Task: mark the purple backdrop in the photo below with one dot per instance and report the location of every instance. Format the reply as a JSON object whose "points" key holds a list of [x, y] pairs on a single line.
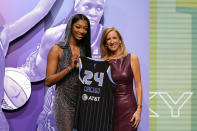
{"points": [[131, 18]]}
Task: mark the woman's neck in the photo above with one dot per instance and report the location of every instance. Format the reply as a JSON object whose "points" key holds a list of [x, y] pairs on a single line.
{"points": [[73, 41], [115, 55]]}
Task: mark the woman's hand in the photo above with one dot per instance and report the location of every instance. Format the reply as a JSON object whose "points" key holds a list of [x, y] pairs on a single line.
{"points": [[136, 118], [74, 61]]}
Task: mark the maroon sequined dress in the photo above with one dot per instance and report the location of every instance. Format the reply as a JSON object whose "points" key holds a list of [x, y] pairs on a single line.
{"points": [[125, 101]]}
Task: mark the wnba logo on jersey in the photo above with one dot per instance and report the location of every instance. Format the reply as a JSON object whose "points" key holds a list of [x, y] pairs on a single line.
{"points": [[85, 97]]}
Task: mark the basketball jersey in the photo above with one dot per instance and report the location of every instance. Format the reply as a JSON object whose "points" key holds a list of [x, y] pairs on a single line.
{"points": [[95, 108]]}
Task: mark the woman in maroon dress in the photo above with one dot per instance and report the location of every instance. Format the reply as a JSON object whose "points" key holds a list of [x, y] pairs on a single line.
{"points": [[124, 67]]}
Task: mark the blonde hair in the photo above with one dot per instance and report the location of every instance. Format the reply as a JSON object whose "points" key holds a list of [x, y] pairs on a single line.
{"points": [[105, 53]]}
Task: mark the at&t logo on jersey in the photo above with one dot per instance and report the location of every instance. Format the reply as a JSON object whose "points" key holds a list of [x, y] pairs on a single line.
{"points": [[85, 97]]}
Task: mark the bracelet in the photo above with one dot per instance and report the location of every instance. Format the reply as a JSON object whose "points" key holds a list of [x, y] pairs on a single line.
{"points": [[139, 105]]}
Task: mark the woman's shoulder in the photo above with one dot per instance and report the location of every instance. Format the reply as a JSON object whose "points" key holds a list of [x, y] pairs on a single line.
{"points": [[55, 48], [55, 51], [133, 57]]}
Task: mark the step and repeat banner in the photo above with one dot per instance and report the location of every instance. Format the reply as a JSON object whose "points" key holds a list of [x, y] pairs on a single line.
{"points": [[28, 29], [173, 65]]}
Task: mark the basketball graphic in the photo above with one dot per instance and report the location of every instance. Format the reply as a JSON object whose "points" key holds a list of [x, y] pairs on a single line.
{"points": [[17, 89]]}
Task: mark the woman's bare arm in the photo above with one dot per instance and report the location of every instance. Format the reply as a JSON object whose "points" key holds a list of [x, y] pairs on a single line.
{"points": [[138, 86], [52, 77]]}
